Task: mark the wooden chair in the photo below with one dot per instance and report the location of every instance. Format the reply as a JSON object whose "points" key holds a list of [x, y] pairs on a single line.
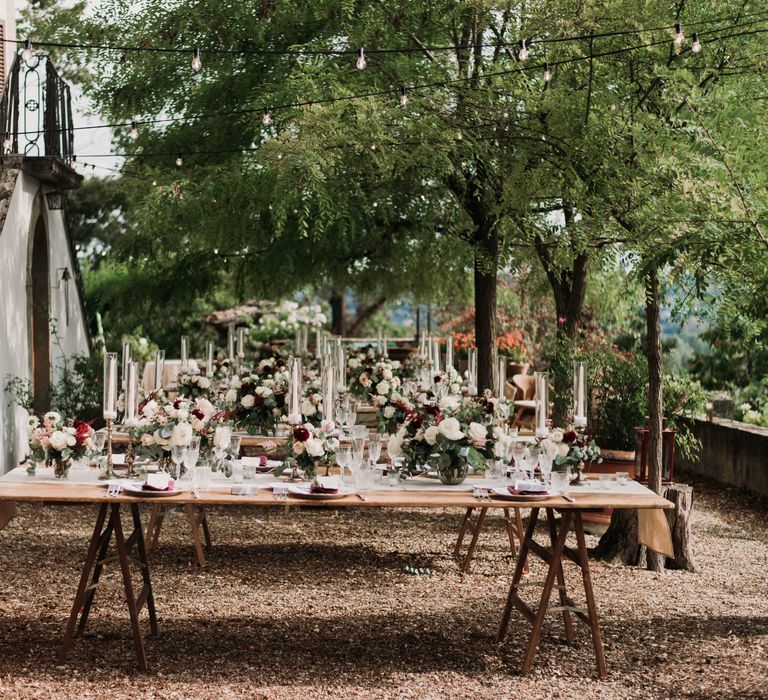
{"points": [[525, 406]]}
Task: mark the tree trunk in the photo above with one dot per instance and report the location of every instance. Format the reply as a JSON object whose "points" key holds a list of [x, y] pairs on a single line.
{"points": [[569, 289], [679, 521], [655, 397], [486, 278], [364, 314], [338, 312], [619, 541]]}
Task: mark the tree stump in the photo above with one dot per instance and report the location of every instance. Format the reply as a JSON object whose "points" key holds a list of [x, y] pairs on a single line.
{"points": [[679, 520], [619, 542]]}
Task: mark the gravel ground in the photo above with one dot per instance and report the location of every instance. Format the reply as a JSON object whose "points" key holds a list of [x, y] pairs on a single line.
{"points": [[319, 605]]}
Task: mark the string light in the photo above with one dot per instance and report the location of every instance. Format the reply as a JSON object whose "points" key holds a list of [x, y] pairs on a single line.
{"points": [[403, 97], [522, 54], [679, 36], [696, 46], [361, 63], [197, 64], [27, 53], [179, 160], [134, 132], [266, 119], [547, 73]]}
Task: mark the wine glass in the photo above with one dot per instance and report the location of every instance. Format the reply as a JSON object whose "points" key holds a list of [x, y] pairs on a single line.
{"points": [[374, 448], [356, 460], [177, 456], [348, 413], [99, 439], [343, 456], [545, 467]]}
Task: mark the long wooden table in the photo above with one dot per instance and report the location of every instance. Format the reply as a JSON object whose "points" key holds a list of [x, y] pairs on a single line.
{"points": [[131, 551]]}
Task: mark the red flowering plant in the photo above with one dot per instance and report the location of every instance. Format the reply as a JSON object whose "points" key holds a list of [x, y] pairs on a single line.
{"points": [[57, 441], [512, 345]]}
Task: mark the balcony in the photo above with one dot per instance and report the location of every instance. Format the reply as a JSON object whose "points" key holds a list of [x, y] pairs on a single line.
{"points": [[36, 122]]}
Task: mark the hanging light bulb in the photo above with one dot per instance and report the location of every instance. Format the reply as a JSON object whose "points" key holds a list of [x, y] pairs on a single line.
{"points": [[134, 132], [7, 146], [522, 54], [696, 46], [266, 118], [403, 97], [679, 36], [547, 73], [197, 64], [179, 161], [361, 64], [27, 53]]}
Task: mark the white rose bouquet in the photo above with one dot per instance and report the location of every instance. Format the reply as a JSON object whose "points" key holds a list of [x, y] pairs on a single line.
{"points": [[195, 384], [567, 448], [257, 402], [309, 448], [57, 442]]}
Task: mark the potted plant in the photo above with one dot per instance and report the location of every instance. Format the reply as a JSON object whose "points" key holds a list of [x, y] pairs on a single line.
{"points": [[512, 346], [619, 400]]}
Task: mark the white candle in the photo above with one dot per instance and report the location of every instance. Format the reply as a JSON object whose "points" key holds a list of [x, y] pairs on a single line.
{"points": [[110, 386], [385, 346], [231, 343], [448, 352], [501, 377], [209, 360], [131, 391], [318, 342], [126, 358], [159, 367], [241, 342], [472, 370], [579, 395], [341, 368], [542, 403], [294, 390], [435, 355], [328, 384], [184, 353]]}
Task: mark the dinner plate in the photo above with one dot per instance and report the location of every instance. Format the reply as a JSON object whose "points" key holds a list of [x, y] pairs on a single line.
{"points": [[507, 496], [304, 492], [135, 489]]}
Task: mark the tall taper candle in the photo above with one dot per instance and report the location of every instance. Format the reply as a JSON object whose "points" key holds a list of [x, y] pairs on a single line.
{"points": [[124, 360], [184, 353], [110, 386], [501, 377], [209, 359], [541, 384], [231, 342], [159, 369], [241, 342], [341, 368], [294, 390], [131, 391], [448, 352], [579, 395]]}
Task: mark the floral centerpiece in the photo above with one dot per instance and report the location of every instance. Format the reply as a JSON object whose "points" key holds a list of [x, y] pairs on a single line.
{"points": [[160, 425], [568, 449], [393, 410], [450, 444], [309, 449], [374, 378], [256, 402], [57, 442], [194, 384]]}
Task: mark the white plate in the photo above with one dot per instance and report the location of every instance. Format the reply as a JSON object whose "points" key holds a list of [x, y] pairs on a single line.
{"points": [[507, 496], [304, 492], [135, 489]]}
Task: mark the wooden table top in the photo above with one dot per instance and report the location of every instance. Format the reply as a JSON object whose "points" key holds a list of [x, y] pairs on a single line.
{"points": [[64, 493]]}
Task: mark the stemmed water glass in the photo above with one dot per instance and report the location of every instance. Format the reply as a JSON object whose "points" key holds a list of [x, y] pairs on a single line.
{"points": [[177, 456], [374, 448], [343, 457], [99, 440], [192, 454], [545, 467], [348, 413]]}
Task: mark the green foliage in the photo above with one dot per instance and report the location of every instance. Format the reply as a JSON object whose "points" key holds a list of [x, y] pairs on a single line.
{"points": [[78, 393], [20, 391]]}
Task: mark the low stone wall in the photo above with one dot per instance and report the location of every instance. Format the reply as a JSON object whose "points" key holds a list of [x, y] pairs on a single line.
{"points": [[733, 453]]}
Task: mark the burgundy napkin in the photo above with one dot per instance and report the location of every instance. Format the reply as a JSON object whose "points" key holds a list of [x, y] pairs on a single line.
{"points": [[514, 492], [317, 488]]}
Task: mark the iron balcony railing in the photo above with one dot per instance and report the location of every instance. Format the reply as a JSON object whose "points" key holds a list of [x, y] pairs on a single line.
{"points": [[36, 111]]}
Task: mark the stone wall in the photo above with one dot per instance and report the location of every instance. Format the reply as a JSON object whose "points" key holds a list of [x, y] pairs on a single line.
{"points": [[733, 453]]}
